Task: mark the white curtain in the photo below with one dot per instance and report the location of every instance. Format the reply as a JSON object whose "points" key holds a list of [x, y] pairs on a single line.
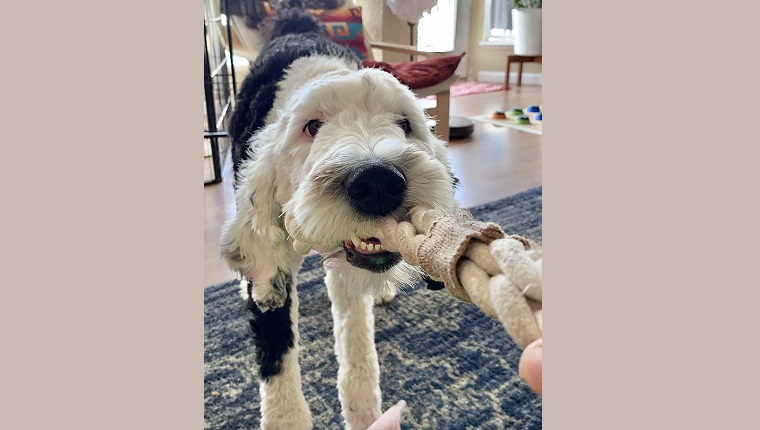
{"points": [[501, 14]]}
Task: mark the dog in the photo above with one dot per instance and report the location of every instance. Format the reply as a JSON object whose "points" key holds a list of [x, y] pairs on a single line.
{"points": [[332, 147]]}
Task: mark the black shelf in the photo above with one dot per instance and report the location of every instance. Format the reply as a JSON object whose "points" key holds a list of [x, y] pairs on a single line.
{"points": [[219, 88]]}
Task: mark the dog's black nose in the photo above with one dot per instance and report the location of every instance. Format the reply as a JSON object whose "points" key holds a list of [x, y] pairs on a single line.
{"points": [[376, 189]]}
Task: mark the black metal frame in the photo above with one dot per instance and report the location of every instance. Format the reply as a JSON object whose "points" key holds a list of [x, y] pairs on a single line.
{"points": [[219, 87]]}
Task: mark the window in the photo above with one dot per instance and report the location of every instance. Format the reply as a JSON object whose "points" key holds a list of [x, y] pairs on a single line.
{"points": [[436, 30], [497, 23]]}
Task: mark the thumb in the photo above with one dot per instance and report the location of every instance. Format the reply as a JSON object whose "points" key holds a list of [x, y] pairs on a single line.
{"points": [[531, 365]]}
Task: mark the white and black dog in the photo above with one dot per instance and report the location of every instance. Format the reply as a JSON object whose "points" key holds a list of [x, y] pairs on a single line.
{"points": [[335, 148]]}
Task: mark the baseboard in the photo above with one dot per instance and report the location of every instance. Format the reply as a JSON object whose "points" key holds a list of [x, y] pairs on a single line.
{"points": [[498, 77]]}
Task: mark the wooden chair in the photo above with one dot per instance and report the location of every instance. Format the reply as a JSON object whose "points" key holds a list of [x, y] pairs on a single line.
{"points": [[441, 91], [340, 20]]}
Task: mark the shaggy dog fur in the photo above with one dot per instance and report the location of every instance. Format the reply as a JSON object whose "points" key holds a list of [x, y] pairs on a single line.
{"points": [[335, 148]]}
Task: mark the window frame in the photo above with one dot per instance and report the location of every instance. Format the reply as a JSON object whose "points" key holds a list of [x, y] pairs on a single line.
{"points": [[504, 41]]}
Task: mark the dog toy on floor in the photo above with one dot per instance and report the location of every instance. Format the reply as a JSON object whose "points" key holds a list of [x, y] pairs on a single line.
{"points": [[476, 261]]}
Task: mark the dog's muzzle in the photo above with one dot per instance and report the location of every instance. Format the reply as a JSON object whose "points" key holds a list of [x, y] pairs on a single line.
{"points": [[376, 189]]}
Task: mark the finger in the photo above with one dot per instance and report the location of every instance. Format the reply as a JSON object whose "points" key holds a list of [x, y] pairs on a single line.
{"points": [[531, 365]]}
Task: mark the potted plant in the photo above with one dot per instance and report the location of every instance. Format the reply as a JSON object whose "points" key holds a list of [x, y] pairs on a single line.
{"points": [[526, 27]]}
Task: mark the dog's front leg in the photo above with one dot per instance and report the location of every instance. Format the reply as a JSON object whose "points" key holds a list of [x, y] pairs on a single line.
{"points": [[255, 245], [275, 332], [358, 369]]}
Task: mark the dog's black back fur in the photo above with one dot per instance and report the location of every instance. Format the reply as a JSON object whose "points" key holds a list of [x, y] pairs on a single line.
{"points": [[294, 36]]}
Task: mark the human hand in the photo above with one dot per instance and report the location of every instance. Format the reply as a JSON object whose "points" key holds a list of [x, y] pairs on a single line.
{"points": [[391, 419], [531, 365]]}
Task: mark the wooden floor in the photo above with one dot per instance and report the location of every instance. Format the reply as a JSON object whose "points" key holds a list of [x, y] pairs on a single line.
{"points": [[493, 163]]}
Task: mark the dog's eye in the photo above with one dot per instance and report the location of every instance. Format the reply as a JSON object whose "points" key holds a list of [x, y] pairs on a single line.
{"points": [[405, 125], [312, 127]]}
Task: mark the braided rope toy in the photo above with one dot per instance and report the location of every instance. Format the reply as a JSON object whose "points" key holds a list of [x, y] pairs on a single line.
{"points": [[476, 261]]}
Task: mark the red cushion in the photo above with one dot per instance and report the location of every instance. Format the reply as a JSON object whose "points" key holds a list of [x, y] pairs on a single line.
{"points": [[420, 74]]}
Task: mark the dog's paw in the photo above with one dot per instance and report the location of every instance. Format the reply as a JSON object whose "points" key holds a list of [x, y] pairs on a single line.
{"points": [[272, 295], [384, 297], [269, 300]]}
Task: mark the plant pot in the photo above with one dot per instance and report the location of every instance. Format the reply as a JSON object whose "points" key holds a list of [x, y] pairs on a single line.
{"points": [[526, 31]]}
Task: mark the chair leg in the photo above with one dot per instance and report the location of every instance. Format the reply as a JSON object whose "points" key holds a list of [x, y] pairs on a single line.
{"points": [[442, 128]]}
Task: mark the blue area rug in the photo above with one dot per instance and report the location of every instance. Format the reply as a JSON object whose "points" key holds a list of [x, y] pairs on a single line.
{"points": [[455, 367]]}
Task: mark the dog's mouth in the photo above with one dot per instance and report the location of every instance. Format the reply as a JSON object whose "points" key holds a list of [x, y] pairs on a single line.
{"points": [[369, 254]]}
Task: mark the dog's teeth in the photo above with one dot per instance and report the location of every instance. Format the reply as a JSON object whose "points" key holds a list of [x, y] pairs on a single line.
{"points": [[356, 241], [378, 247], [363, 245], [372, 247]]}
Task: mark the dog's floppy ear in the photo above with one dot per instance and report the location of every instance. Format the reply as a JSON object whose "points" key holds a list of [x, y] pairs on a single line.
{"points": [[440, 153], [255, 242]]}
